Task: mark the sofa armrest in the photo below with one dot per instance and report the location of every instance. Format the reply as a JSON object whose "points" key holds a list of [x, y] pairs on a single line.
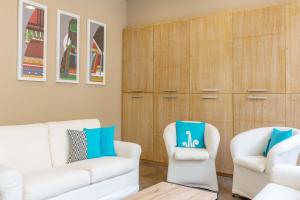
{"points": [[11, 187], [286, 175], [128, 150]]}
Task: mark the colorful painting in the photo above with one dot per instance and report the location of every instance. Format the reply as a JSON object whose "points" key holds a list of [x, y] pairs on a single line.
{"points": [[67, 65], [32, 41], [96, 52]]}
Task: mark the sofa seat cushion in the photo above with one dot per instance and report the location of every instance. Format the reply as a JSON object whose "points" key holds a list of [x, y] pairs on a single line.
{"points": [[105, 167], [191, 154], [277, 192], [48, 183], [254, 163]]}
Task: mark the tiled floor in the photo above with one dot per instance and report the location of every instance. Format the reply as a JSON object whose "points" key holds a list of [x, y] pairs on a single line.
{"points": [[151, 174]]}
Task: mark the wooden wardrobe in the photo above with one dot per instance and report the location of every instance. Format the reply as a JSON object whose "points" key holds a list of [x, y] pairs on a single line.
{"points": [[236, 70]]}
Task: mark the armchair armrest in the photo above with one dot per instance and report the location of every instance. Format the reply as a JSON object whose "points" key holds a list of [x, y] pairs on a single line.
{"points": [[249, 143], [212, 140], [287, 175], [286, 152], [170, 139], [11, 187]]}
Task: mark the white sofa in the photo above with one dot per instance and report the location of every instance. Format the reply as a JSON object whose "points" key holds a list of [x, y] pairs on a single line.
{"points": [[193, 167], [284, 184], [251, 169], [33, 165]]}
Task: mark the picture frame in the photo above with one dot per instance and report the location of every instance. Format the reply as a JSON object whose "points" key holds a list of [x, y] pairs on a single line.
{"points": [[96, 53], [32, 41], [67, 47]]}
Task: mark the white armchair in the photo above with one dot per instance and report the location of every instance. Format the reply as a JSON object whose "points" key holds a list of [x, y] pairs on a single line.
{"points": [[251, 169], [284, 184], [189, 166]]}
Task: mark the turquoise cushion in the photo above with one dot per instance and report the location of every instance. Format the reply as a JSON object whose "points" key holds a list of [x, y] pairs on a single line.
{"points": [[190, 134], [277, 136], [93, 137], [107, 141]]}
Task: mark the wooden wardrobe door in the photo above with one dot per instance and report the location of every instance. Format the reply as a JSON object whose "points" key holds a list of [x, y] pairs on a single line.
{"points": [[258, 22], [259, 64], [167, 109], [211, 67], [293, 110], [138, 121], [171, 57], [293, 48], [258, 110], [216, 110], [211, 54], [138, 59], [259, 50]]}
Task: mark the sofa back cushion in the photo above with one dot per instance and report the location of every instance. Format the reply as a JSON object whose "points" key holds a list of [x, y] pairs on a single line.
{"points": [[25, 147], [59, 142]]}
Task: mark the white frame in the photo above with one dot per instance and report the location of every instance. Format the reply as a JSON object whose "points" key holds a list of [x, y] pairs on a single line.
{"points": [[89, 21], [20, 41], [59, 13]]}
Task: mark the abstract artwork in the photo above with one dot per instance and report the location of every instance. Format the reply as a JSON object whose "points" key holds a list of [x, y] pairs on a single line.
{"points": [[67, 61], [32, 41], [96, 52]]}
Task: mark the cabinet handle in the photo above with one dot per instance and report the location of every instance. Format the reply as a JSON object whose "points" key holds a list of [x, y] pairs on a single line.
{"points": [[174, 97], [258, 90], [257, 98], [170, 90], [137, 91], [209, 97], [210, 90], [137, 97]]}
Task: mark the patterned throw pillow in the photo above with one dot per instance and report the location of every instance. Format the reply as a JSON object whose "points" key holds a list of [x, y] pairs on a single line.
{"points": [[77, 145]]}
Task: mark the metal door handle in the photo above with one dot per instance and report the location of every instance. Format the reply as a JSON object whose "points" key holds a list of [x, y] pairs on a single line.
{"points": [[258, 90], [257, 98]]}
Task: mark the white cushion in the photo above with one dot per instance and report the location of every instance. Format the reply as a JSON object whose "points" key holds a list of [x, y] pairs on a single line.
{"points": [[52, 182], [277, 192], [105, 167], [25, 147], [191, 154], [254, 163], [59, 142]]}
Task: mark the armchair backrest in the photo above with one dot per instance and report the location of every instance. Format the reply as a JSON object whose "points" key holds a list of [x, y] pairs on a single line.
{"points": [[253, 142], [211, 139]]}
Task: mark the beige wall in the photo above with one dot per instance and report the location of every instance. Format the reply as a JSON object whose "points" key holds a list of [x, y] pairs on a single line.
{"points": [[148, 11], [27, 102]]}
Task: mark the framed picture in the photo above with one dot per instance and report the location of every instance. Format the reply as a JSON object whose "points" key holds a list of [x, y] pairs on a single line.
{"points": [[96, 50], [67, 58], [32, 41]]}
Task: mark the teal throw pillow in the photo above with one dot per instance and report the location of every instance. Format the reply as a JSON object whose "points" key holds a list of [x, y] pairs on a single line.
{"points": [[107, 141], [190, 134], [93, 137], [277, 136]]}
